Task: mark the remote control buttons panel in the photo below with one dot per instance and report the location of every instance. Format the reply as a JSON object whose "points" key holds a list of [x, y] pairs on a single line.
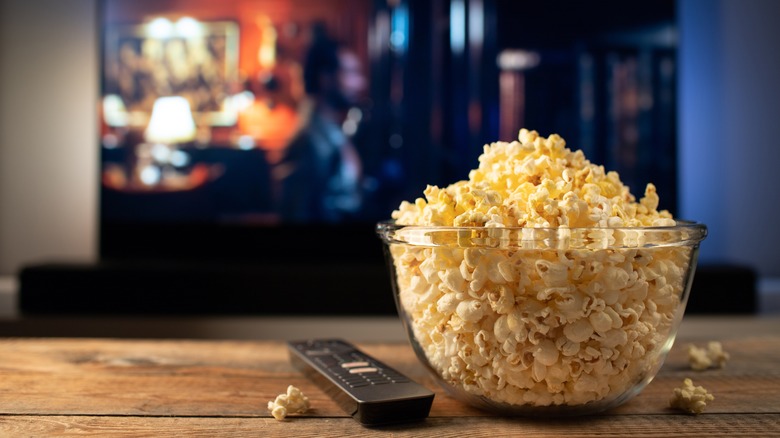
{"points": [[356, 370], [367, 389]]}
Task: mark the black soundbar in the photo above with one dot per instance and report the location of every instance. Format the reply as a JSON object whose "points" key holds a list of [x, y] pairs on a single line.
{"points": [[134, 287]]}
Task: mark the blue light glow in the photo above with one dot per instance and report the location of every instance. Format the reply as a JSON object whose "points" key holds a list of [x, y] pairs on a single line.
{"points": [[399, 34], [457, 26]]}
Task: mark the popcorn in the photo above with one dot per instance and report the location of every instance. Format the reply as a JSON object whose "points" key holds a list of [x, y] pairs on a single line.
{"points": [[536, 182], [578, 318], [689, 398], [293, 402], [701, 359]]}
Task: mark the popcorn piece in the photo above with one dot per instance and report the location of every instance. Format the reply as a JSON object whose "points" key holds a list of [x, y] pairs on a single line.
{"points": [[701, 359], [549, 326], [689, 398], [716, 354], [698, 358], [293, 402]]}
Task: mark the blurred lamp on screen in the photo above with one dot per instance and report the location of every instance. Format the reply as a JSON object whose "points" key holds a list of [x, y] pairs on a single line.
{"points": [[171, 123]]}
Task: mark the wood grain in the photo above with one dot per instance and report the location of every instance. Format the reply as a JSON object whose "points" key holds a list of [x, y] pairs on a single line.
{"points": [[218, 388], [725, 425]]}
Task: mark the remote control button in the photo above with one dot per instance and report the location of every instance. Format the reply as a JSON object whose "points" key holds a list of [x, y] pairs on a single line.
{"points": [[354, 381], [395, 377], [363, 370], [354, 364]]}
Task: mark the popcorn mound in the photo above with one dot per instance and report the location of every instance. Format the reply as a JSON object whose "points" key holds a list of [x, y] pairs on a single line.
{"points": [[542, 315], [536, 182]]}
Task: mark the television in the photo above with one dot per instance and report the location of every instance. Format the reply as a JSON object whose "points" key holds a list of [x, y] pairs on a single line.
{"points": [[202, 105]]}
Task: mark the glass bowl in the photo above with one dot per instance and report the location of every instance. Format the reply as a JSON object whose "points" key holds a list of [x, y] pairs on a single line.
{"points": [[542, 321]]}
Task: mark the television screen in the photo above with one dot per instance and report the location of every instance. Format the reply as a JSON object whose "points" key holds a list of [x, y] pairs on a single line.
{"points": [[279, 132]]}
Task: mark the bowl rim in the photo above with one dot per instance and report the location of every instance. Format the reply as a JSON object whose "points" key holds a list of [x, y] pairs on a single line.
{"points": [[684, 232]]}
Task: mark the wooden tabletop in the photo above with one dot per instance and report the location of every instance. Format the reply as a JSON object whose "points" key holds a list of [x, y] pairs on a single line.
{"points": [[103, 387]]}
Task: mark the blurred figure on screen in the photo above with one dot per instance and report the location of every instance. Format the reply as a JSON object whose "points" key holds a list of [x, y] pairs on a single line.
{"points": [[320, 172]]}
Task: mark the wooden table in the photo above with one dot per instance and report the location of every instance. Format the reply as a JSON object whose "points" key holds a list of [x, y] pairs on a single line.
{"points": [[102, 387]]}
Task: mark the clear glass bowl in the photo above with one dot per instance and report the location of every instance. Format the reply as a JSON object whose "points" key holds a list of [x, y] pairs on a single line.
{"points": [[535, 321]]}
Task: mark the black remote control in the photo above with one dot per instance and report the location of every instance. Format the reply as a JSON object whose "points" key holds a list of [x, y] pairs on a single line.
{"points": [[368, 390]]}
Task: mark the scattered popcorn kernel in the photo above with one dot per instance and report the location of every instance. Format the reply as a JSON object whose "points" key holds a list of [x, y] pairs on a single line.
{"points": [[540, 326], [689, 398], [698, 358], [293, 402], [701, 359], [716, 354]]}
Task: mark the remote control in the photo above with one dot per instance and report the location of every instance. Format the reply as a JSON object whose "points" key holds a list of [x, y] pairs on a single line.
{"points": [[367, 389]]}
